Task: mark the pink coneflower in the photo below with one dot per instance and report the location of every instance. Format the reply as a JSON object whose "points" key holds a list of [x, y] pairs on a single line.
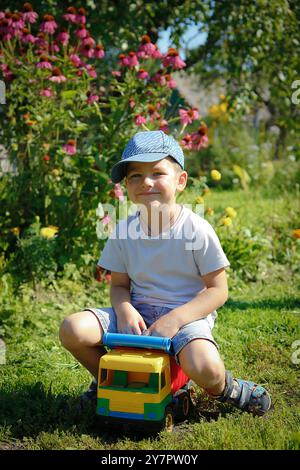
{"points": [[199, 138], [170, 82], [27, 36], [132, 60], [57, 76], [142, 74], [188, 116], [53, 48], [172, 59], [91, 70], [70, 147], [49, 25], [99, 51], [186, 142], [29, 16], [47, 92], [88, 40], [44, 63], [123, 60], [116, 73], [131, 103], [159, 78], [139, 120], [163, 126], [17, 21], [129, 61], [81, 32], [80, 18], [146, 48], [91, 98], [71, 15], [153, 113], [157, 54], [41, 41], [63, 37], [118, 192], [87, 50], [6, 71], [75, 59]]}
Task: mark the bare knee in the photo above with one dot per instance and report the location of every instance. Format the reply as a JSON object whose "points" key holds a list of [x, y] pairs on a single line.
{"points": [[204, 366], [206, 374], [80, 329]]}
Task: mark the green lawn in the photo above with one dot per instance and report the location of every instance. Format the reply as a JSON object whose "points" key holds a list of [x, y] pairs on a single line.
{"points": [[40, 382]]}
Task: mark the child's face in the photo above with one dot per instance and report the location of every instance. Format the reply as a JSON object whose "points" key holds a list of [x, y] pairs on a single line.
{"points": [[154, 183]]}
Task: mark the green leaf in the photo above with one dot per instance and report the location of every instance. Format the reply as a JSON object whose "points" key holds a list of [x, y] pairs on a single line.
{"points": [[68, 94]]}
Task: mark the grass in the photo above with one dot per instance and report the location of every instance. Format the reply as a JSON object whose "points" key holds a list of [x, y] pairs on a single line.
{"points": [[40, 382]]}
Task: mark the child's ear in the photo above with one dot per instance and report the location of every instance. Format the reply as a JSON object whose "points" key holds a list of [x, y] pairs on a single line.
{"points": [[182, 180]]}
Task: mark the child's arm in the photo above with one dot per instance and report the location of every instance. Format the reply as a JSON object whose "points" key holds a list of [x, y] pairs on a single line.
{"points": [[200, 306], [128, 318]]}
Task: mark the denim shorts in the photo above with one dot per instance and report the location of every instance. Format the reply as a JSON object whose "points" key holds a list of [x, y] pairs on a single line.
{"points": [[199, 329]]}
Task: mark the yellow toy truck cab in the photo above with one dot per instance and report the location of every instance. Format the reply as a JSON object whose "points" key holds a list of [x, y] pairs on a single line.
{"points": [[137, 384]]}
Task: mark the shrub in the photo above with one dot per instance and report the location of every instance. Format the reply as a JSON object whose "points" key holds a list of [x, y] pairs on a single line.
{"points": [[68, 114]]}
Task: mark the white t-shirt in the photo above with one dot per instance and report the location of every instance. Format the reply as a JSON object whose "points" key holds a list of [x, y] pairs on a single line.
{"points": [[164, 270]]}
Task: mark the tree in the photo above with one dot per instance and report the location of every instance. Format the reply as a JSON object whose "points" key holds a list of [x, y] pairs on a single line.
{"points": [[254, 47]]}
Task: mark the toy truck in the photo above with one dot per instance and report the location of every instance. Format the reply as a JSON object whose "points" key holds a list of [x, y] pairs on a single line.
{"points": [[139, 382]]}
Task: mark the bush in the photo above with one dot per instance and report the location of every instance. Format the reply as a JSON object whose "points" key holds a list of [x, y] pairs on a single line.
{"points": [[69, 113]]}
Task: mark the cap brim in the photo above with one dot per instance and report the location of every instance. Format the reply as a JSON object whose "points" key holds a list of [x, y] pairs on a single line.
{"points": [[118, 170]]}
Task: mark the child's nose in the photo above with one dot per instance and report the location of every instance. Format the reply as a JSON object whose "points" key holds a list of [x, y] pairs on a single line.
{"points": [[147, 181]]}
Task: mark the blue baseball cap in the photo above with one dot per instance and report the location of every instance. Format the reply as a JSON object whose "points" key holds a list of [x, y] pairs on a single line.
{"points": [[148, 146]]}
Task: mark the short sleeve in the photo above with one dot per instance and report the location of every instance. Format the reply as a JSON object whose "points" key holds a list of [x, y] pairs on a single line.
{"points": [[111, 257], [208, 252]]}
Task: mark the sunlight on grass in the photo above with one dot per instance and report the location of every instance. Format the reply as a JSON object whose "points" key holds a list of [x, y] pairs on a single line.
{"points": [[41, 382]]}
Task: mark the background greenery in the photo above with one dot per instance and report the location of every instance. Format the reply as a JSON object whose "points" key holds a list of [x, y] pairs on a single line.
{"points": [[252, 50]]}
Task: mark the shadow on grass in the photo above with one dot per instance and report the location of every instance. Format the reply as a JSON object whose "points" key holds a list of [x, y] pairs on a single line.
{"points": [[31, 409], [275, 304]]}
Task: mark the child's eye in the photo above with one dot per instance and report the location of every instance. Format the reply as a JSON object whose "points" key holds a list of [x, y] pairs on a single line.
{"points": [[158, 173], [135, 175]]}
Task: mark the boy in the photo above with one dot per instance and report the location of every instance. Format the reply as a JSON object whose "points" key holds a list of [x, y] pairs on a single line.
{"points": [[167, 276]]}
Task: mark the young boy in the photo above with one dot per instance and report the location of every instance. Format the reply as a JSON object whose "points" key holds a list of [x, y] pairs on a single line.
{"points": [[167, 276]]}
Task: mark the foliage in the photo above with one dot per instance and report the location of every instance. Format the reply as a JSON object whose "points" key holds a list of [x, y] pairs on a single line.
{"points": [[124, 22], [34, 257], [253, 47], [68, 115], [244, 154]]}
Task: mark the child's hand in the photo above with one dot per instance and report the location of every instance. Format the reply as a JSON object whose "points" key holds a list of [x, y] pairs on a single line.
{"points": [[130, 322], [165, 326]]}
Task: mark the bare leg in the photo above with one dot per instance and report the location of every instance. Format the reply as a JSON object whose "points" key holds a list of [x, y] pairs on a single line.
{"points": [[81, 334], [201, 361]]}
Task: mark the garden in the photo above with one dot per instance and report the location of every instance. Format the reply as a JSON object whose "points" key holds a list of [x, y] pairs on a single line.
{"points": [[75, 86]]}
